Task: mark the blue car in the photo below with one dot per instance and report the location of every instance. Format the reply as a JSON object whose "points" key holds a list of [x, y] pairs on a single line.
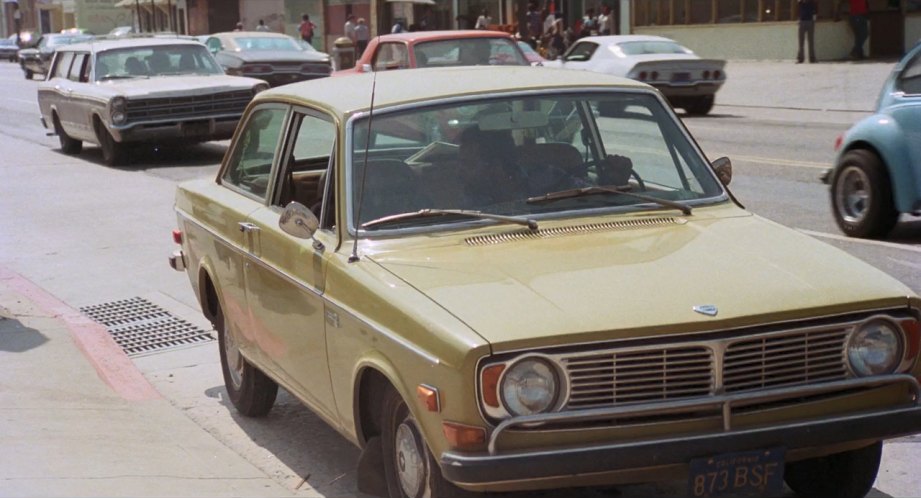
{"points": [[877, 173]]}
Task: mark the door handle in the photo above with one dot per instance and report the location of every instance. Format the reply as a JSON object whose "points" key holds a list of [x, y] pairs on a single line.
{"points": [[247, 227]]}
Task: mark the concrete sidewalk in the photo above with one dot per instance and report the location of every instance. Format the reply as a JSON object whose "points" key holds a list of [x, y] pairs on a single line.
{"points": [[89, 424]]}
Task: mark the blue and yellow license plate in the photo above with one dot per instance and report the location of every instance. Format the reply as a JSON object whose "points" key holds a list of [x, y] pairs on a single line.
{"points": [[749, 473]]}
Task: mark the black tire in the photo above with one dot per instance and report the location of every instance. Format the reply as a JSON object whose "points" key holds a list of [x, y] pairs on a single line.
{"points": [[113, 153], [28, 73], [69, 145], [251, 391], [843, 475], [699, 106], [403, 449], [861, 195]]}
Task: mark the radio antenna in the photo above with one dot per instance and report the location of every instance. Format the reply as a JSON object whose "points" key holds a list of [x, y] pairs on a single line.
{"points": [[364, 170]]}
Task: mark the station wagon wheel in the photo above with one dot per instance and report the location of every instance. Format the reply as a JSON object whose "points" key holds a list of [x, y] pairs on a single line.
{"points": [[847, 475], [409, 468], [113, 153], [69, 145], [861, 195], [251, 391]]}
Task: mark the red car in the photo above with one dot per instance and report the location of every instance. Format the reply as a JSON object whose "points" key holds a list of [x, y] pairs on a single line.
{"points": [[439, 49]]}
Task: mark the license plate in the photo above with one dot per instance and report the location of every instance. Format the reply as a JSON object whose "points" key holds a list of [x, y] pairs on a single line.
{"points": [[196, 129], [681, 77], [750, 473]]}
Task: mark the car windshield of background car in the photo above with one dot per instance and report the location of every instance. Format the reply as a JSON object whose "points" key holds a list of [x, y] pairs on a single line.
{"points": [[651, 47], [468, 52], [491, 155], [267, 43], [165, 60], [57, 41]]}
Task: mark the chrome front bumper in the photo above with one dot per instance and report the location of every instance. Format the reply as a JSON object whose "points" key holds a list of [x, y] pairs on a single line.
{"points": [[177, 261], [497, 466]]}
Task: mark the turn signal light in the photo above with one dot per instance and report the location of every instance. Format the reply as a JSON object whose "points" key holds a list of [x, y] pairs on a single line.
{"points": [[464, 437], [912, 330], [489, 381], [429, 397], [177, 236]]}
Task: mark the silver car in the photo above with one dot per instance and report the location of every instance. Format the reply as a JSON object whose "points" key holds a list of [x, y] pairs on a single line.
{"points": [[153, 90]]}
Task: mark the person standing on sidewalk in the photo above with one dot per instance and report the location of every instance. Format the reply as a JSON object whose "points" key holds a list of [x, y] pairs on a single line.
{"points": [[349, 29], [858, 17], [306, 29], [807, 14], [362, 36]]}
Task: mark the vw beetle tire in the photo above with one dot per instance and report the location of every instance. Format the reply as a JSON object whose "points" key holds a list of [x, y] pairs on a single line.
{"points": [[845, 475], [409, 468], [69, 145], [861, 196], [251, 391]]}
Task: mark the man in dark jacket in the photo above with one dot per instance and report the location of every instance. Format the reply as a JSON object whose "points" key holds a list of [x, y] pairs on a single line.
{"points": [[807, 14]]}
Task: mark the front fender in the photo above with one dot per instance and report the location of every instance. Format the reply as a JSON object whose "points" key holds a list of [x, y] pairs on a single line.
{"points": [[883, 135]]}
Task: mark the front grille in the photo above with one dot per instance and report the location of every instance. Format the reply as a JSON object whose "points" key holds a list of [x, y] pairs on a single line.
{"points": [[196, 106], [785, 360], [638, 375]]}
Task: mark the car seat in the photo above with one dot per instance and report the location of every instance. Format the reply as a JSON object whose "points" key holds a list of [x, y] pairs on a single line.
{"points": [[134, 66]]}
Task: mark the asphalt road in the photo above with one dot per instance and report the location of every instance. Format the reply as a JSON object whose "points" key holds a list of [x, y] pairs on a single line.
{"points": [[90, 234]]}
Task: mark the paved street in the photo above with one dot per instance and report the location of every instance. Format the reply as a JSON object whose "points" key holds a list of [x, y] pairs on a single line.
{"points": [[78, 418]]}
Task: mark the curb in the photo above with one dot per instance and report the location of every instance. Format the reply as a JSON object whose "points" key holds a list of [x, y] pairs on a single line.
{"points": [[111, 364]]}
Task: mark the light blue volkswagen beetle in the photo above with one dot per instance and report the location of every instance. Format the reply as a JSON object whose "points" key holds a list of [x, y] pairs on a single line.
{"points": [[877, 172]]}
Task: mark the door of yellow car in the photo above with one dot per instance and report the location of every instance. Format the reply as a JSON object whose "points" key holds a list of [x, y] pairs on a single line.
{"points": [[285, 282], [247, 174]]}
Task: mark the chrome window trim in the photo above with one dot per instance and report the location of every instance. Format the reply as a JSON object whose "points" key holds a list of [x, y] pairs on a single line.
{"points": [[273, 171]]}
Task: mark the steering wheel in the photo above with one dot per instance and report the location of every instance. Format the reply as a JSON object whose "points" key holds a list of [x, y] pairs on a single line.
{"points": [[633, 174]]}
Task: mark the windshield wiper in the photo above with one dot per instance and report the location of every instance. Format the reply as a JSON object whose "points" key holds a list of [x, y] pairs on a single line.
{"points": [[425, 213], [579, 192]]}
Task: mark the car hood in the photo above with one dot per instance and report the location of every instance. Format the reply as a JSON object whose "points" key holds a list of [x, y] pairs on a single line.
{"points": [[165, 86], [635, 282], [280, 56]]}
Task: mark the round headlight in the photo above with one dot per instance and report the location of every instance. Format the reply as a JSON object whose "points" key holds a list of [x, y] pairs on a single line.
{"points": [[875, 348], [119, 117], [529, 386], [118, 103]]}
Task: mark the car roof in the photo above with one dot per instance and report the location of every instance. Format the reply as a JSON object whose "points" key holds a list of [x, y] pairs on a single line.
{"points": [[344, 96], [414, 36], [101, 45], [250, 34], [604, 40]]}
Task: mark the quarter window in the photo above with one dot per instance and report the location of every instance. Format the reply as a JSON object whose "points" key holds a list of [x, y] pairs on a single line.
{"points": [[582, 51], [250, 165], [76, 69], [63, 64], [910, 79]]}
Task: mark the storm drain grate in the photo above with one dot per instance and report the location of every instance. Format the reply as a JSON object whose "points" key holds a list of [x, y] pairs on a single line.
{"points": [[141, 327]]}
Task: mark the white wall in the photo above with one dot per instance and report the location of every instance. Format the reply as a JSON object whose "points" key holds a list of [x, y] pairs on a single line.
{"points": [[761, 41]]}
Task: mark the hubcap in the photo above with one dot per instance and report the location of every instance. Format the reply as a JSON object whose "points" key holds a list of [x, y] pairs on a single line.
{"points": [[410, 467], [234, 359], [853, 194]]}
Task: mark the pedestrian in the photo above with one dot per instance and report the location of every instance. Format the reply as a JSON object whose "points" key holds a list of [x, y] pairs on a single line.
{"points": [[806, 32], [606, 21], [306, 29], [483, 21], [535, 24], [238, 27], [349, 29], [858, 18], [362, 36], [397, 27], [261, 26]]}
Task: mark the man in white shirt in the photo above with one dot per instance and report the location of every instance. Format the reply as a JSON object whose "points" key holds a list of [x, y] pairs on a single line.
{"points": [[350, 29]]}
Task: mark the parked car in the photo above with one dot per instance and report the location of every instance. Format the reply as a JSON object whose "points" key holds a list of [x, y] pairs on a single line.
{"points": [[688, 81], [38, 59], [439, 49], [121, 92], [533, 57], [273, 57], [8, 49], [877, 173], [516, 278]]}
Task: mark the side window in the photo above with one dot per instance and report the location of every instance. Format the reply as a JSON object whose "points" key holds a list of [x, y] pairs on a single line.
{"points": [[62, 66], [76, 69], [304, 176], [87, 69], [250, 164], [582, 51], [910, 79], [213, 44], [391, 56]]}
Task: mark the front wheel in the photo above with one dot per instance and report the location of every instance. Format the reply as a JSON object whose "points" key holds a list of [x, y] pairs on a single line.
{"points": [[250, 390], [845, 475], [861, 195], [113, 153], [409, 468]]}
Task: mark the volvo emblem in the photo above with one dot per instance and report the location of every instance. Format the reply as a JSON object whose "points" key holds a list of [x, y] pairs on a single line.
{"points": [[706, 309]]}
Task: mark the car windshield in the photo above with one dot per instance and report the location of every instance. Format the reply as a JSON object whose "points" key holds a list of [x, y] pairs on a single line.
{"points": [[651, 47], [267, 43], [494, 156], [160, 60], [57, 41], [468, 52]]}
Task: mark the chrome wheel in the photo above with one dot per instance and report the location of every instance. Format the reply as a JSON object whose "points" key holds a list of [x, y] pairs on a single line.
{"points": [[410, 465], [235, 362], [854, 194]]}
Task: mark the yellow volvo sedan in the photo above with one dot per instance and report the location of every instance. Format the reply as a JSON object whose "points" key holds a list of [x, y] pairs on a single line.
{"points": [[498, 279]]}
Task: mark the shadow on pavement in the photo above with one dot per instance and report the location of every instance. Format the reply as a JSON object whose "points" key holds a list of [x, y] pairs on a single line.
{"points": [[16, 337], [164, 156]]}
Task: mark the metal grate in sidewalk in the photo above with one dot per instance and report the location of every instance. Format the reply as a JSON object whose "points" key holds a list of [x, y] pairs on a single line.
{"points": [[141, 327]]}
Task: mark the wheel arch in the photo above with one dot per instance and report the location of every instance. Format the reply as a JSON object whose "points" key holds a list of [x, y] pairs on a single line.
{"points": [[883, 137], [208, 292], [372, 377]]}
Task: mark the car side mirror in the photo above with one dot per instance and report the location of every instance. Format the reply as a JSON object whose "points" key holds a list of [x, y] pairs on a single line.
{"points": [[723, 169], [298, 221]]}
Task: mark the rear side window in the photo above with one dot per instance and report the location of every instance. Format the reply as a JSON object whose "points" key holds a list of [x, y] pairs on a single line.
{"points": [[76, 69], [62, 64], [910, 79], [391, 56]]}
